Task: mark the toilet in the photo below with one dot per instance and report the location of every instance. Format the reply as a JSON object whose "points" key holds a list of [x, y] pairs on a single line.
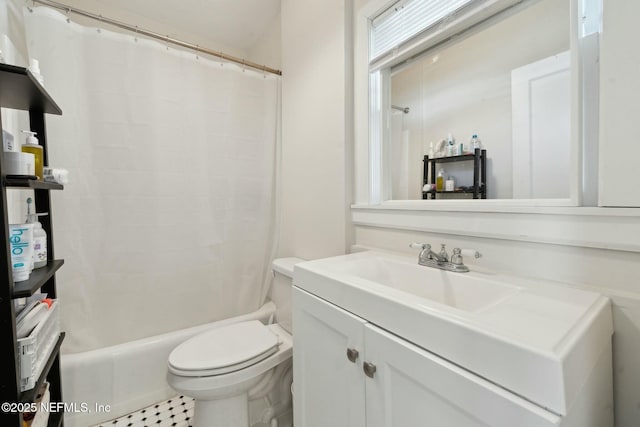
{"points": [[224, 368]]}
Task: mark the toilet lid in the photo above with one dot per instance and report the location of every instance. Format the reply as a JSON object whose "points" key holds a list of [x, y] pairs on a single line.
{"points": [[225, 349]]}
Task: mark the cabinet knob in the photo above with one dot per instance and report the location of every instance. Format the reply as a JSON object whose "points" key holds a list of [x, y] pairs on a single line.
{"points": [[369, 369], [352, 355]]}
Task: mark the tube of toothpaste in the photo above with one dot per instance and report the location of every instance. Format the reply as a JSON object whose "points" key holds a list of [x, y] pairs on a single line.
{"points": [[21, 244]]}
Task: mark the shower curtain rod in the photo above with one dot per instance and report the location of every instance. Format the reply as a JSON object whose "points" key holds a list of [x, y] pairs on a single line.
{"points": [[133, 28]]}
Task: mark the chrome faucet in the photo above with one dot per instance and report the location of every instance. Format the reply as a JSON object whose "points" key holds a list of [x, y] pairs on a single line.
{"points": [[441, 260]]}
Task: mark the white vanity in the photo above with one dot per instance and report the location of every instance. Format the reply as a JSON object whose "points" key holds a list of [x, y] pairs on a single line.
{"points": [[382, 341]]}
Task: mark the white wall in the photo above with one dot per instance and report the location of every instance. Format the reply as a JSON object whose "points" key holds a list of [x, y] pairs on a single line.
{"points": [[267, 51], [315, 47]]}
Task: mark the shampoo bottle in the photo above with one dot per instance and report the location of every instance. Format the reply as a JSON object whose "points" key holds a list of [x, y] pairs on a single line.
{"points": [[31, 146], [39, 237]]}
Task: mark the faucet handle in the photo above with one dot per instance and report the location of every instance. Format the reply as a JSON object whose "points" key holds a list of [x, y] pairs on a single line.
{"points": [[470, 252], [443, 252]]}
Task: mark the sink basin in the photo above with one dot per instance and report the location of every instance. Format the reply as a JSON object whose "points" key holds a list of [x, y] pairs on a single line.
{"points": [[455, 290], [537, 339]]}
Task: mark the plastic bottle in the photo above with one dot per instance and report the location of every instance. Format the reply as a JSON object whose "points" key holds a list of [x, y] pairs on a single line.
{"points": [[475, 143], [34, 68], [450, 184], [39, 237], [450, 146], [31, 146], [21, 245], [440, 180]]}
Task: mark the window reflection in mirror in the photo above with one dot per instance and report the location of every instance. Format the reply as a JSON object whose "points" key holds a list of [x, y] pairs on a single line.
{"points": [[507, 82]]}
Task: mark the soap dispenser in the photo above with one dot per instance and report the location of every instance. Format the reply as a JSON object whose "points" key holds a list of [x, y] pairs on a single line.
{"points": [[39, 237], [32, 146]]}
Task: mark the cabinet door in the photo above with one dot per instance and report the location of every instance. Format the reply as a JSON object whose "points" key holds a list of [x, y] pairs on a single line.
{"points": [[414, 388], [328, 388]]}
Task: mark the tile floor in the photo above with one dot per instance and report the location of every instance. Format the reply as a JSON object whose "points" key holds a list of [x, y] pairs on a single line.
{"points": [[177, 412]]}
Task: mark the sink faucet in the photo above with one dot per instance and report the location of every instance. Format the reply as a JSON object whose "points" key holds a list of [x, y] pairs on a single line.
{"points": [[441, 260], [427, 254]]}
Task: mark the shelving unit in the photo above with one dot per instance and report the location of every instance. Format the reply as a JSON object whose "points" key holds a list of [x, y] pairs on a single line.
{"points": [[19, 90], [479, 188]]}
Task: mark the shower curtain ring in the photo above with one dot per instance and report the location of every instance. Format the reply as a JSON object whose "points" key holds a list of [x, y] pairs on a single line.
{"points": [[68, 12], [135, 38], [166, 40], [197, 50], [99, 29]]}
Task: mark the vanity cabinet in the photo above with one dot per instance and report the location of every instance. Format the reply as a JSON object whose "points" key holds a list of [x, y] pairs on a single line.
{"points": [[350, 372], [329, 386]]}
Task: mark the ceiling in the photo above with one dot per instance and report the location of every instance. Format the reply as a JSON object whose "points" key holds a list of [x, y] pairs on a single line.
{"points": [[234, 23]]}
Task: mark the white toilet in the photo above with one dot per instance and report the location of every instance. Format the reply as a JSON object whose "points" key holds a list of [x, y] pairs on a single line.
{"points": [[222, 369]]}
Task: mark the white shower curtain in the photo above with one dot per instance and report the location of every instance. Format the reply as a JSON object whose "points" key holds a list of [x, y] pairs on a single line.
{"points": [[169, 218]]}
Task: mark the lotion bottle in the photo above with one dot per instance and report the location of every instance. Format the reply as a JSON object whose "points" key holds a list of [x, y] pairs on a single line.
{"points": [[32, 146], [39, 237]]}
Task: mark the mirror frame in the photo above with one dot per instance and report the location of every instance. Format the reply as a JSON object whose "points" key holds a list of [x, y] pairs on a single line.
{"points": [[372, 186]]}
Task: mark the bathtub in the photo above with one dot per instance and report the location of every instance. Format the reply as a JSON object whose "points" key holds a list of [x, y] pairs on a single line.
{"points": [[129, 376]]}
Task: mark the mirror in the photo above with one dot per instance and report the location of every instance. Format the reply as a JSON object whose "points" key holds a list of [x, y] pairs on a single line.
{"points": [[507, 80]]}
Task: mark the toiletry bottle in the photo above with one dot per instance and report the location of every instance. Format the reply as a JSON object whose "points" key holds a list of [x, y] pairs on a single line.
{"points": [[450, 146], [21, 244], [7, 141], [31, 146], [39, 237], [440, 180], [475, 143], [450, 184], [34, 68]]}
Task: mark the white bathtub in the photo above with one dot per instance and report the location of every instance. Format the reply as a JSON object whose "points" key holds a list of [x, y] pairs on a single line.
{"points": [[128, 376]]}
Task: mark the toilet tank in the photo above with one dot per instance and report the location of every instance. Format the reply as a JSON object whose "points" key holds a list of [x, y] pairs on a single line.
{"points": [[281, 289]]}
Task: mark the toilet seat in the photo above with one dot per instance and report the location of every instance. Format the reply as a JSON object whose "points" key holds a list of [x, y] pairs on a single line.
{"points": [[223, 350]]}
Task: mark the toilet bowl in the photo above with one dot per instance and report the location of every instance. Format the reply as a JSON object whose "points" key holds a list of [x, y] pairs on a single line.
{"points": [[221, 367], [224, 368]]}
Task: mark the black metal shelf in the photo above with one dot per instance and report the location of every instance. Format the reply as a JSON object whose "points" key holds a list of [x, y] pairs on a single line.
{"points": [[451, 159], [469, 191], [36, 280], [27, 181], [479, 188], [30, 395], [21, 91], [55, 419]]}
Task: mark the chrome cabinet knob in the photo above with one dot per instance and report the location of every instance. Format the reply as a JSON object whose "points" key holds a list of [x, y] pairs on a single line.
{"points": [[352, 355], [369, 369]]}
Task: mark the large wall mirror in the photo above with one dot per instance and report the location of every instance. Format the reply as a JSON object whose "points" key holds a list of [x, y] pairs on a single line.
{"points": [[501, 70]]}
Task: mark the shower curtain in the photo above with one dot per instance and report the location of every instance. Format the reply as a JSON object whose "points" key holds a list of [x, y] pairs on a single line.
{"points": [[169, 218]]}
